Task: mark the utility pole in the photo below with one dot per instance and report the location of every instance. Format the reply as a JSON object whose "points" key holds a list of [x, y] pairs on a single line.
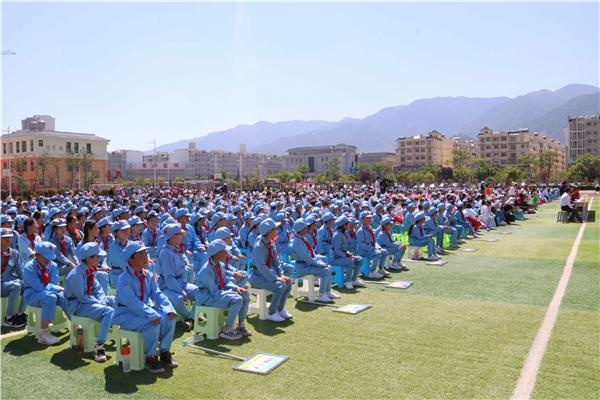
{"points": [[242, 152], [9, 53]]}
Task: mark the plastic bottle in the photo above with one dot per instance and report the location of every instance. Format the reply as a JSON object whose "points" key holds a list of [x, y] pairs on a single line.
{"points": [[79, 338], [125, 355]]}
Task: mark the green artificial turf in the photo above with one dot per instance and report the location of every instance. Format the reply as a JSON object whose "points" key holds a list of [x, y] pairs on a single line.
{"points": [[461, 331]]}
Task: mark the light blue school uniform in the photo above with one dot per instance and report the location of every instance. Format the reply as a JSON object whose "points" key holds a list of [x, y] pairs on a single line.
{"points": [[418, 237], [117, 260], [173, 280], [63, 261], [309, 263], [12, 283], [324, 238], [45, 296], [384, 239], [367, 248], [339, 256]]}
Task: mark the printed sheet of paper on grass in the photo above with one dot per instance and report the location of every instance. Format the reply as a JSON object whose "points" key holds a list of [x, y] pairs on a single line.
{"points": [[438, 262], [469, 250], [490, 240], [261, 363], [352, 308], [400, 285]]}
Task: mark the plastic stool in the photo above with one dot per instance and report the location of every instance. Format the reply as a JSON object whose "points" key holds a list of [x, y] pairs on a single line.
{"points": [[90, 328], [304, 287], [4, 308], [136, 345], [261, 306], [562, 216], [365, 268], [212, 326], [414, 252], [34, 320], [339, 279]]}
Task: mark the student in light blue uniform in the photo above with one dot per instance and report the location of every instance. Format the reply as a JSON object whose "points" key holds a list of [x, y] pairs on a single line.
{"points": [[190, 241], [41, 289], [173, 275], [219, 290], [351, 235], [443, 222], [325, 235], [432, 228], [309, 263], [235, 263], [451, 221], [219, 220], [283, 236], [150, 235], [90, 235], [66, 259], [11, 282], [384, 239], [244, 232], [116, 251], [369, 249], [142, 307], [341, 254], [253, 235], [408, 218], [27, 241], [268, 271], [461, 220], [87, 298], [418, 237]]}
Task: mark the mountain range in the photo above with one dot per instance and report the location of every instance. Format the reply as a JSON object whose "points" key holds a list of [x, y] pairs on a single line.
{"points": [[542, 111]]}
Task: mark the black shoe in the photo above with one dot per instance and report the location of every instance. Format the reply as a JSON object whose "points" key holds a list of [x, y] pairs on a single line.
{"points": [[166, 357], [188, 324], [99, 353], [152, 365], [22, 318], [12, 322]]}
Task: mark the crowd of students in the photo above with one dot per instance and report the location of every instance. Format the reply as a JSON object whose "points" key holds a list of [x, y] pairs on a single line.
{"points": [[161, 250]]}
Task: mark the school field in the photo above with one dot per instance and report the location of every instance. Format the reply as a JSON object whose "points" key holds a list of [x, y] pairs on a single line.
{"points": [[461, 331]]}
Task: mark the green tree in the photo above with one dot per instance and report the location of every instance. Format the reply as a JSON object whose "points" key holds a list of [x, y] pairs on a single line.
{"points": [[585, 166], [528, 162], [462, 157], [300, 173], [43, 162], [483, 169], [382, 169], [332, 169], [19, 165], [430, 168], [462, 174], [363, 173], [545, 164], [510, 174]]}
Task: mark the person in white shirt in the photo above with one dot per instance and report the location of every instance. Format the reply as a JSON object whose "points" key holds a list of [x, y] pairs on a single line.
{"points": [[565, 205]]}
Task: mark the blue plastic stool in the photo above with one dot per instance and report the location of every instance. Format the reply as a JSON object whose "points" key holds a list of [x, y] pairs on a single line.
{"points": [[339, 279], [365, 268]]}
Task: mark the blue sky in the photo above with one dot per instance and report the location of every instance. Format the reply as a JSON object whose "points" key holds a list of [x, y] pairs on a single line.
{"points": [[132, 72]]}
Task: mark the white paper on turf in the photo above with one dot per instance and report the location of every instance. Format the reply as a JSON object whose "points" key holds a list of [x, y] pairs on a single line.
{"points": [[352, 308], [438, 262], [469, 250], [261, 363], [400, 285]]}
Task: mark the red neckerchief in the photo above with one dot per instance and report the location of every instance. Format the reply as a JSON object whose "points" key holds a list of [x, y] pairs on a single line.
{"points": [[352, 234], [74, 235], [5, 260], [217, 269], [312, 252], [105, 242], [270, 256], [44, 276], [371, 233], [388, 235], [421, 229], [181, 248], [314, 236], [89, 273], [31, 239], [287, 235], [142, 278], [154, 235], [63, 246]]}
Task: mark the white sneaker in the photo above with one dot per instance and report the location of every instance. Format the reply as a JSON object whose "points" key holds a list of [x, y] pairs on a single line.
{"points": [[349, 285], [324, 298], [433, 258], [334, 295], [276, 318], [374, 275], [285, 314], [395, 267], [359, 283], [384, 273], [47, 338]]}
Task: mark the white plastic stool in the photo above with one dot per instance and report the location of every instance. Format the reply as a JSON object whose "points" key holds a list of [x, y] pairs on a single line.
{"points": [[34, 320], [261, 306], [414, 252], [136, 346], [307, 289]]}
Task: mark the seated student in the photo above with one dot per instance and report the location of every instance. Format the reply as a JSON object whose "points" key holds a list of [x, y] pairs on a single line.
{"points": [[325, 235], [268, 271], [41, 289], [28, 240], [245, 231], [417, 237], [219, 290], [432, 228], [73, 231], [307, 263], [116, 251], [174, 272], [90, 235], [142, 307], [284, 238], [66, 259], [384, 239], [311, 221], [351, 235], [150, 235], [444, 223], [235, 262], [85, 294], [486, 215], [461, 220], [369, 249], [11, 282], [341, 255]]}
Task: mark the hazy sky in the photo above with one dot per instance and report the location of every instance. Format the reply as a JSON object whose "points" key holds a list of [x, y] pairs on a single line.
{"points": [[131, 72]]}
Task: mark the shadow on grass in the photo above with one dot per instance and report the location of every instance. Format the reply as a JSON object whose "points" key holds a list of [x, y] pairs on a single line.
{"points": [[269, 328], [118, 382], [70, 359], [28, 344]]}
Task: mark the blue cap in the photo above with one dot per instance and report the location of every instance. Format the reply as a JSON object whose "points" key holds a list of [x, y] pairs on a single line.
{"points": [[248, 216], [6, 232], [58, 222], [103, 222], [419, 216], [386, 220], [266, 226], [46, 250], [90, 249], [120, 225], [217, 217], [139, 210], [5, 218], [132, 248], [135, 220], [215, 247], [236, 209], [170, 230], [365, 214], [410, 205], [449, 206], [343, 220], [151, 214], [311, 219], [182, 212], [425, 205], [299, 225], [280, 217], [432, 211], [328, 217], [222, 233], [53, 211], [459, 204]]}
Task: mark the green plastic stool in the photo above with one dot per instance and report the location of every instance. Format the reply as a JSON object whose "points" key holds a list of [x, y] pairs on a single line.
{"points": [[4, 308], [90, 328], [34, 320], [215, 320], [136, 346]]}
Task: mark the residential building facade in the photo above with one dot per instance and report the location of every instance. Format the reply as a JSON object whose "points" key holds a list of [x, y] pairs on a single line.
{"points": [[316, 158], [413, 152], [583, 136]]}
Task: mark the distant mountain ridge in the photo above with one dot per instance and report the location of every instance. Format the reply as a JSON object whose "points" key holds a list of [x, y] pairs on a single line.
{"points": [[543, 110]]}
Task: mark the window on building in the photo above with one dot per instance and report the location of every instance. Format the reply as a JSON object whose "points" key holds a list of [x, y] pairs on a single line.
{"points": [[40, 143], [69, 150], [165, 165], [76, 147], [88, 148], [18, 147], [31, 145], [31, 165], [10, 147], [24, 146], [4, 147]]}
